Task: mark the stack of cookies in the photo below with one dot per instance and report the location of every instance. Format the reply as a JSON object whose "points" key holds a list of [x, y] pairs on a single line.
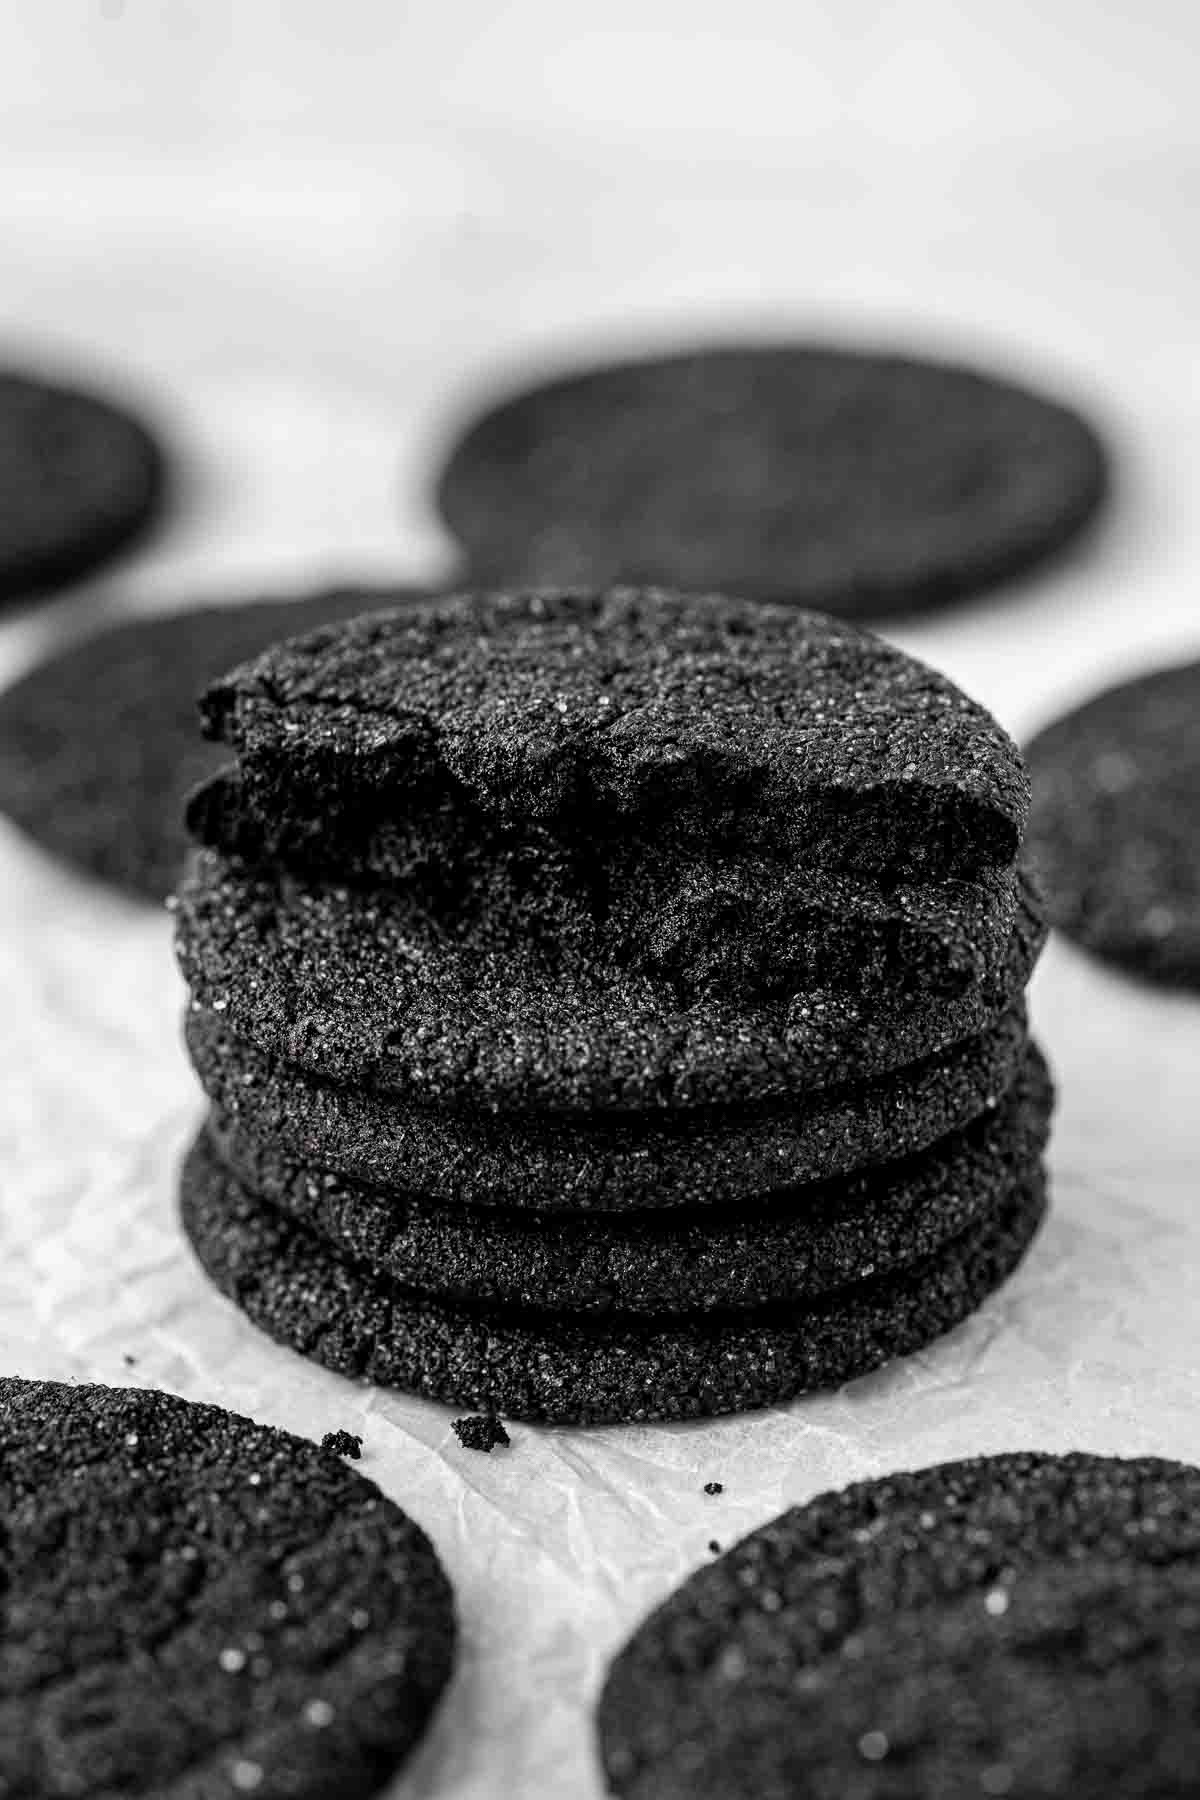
{"points": [[610, 1005]]}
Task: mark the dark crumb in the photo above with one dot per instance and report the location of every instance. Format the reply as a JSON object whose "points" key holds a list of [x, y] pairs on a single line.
{"points": [[714, 1546], [342, 1443], [480, 1433], [714, 1487], [129, 1361]]}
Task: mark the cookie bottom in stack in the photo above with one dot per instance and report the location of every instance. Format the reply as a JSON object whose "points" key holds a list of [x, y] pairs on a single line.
{"points": [[574, 1315]]}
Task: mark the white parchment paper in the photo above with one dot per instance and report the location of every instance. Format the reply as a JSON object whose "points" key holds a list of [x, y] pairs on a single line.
{"points": [[307, 319]]}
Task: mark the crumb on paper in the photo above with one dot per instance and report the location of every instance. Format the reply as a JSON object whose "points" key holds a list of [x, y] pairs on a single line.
{"points": [[342, 1443], [714, 1487], [480, 1432]]}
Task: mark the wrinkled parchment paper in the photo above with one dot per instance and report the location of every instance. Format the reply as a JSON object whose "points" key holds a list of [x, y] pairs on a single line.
{"points": [[306, 323]]}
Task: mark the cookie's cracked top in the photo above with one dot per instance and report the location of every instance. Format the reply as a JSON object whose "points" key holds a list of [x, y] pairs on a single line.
{"points": [[633, 709]]}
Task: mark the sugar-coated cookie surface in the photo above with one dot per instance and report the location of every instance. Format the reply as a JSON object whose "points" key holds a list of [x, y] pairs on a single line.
{"points": [[563, 1369], [802, 1242], [1115, 829], [864, 483], [707, 921], [199, 1608], [700, 1157], [367, 987], [706, 719], [1014, 1625], [100, 744], [81, 477]]}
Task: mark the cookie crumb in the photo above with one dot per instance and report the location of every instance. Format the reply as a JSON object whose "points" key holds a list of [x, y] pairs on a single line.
{"points": [[480, 1432], [342, 1443], [714, 1487], [129, 1361], [714, 1546]]}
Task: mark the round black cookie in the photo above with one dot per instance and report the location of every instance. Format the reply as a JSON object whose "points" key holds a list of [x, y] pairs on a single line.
{"points": [[699, 721], [800, 1244], [100, 745], [80, 479], [702, 1156], [1022, 1625], [199, 1607], [864, 483], [758, 926], [366, 988], [1115, 831], [567, 1370]]}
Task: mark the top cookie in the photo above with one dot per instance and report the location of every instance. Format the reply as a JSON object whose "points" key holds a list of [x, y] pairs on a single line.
{"points": [[718, 721], [865, 484], [1024, 1625], [79, 478]]}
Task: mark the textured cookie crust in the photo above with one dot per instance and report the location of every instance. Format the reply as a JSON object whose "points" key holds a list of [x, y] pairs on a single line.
{"points": [[705, 1157], [866, 484], [702, 720], [801, 1244], [1115, 831], [80, 477], [710, 923], [367, 988], [197, 1607], [100, 745], [567, 1370], [1023, 1624]]}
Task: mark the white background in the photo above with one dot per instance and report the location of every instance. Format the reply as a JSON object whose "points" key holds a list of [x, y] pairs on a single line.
{"points": [[306, 234]]}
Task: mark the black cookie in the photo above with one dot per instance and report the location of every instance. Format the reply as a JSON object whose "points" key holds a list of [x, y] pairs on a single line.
{"points": [[80, 477], [1015, 1625], [100, 745], [863, 483], [366, 988], [1115, 830], [567, 1370], [749, 926], [199, 1606], [800, 1244], [701, 1157], [700, 722], [758, 926]]}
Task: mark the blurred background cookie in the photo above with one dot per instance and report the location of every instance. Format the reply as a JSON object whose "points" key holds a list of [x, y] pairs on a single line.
{"points": [[80, 478], [863, 483], [1115, 828]]}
